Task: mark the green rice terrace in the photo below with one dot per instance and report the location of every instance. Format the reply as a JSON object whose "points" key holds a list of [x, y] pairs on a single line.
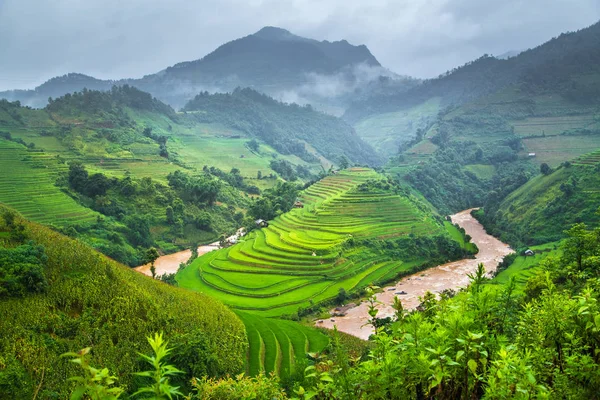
{"points": [[27, 184], [275, 345], [588, 159], [308, 255]]}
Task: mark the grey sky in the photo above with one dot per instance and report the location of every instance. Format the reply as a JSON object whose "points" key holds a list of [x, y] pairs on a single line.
{"points": [[113, 39]]}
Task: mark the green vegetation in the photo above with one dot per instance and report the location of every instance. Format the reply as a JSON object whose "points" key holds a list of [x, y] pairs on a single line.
{"points": [[95, 165], [521, 267], [27, 184], [539, 211], [388, 131], [286, 127], [461, 175], [352, 229], [90, 300], [276, 345], [22, 269], [458, 234], [487, 341]]}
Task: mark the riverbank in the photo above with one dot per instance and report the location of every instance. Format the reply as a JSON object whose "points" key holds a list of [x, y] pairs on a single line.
{"points": [[169, 263], [437, 279]]}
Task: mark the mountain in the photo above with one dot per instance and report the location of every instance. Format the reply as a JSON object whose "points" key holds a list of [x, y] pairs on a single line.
{"points": [[272, 60], [488, 74], [508, 54], [270, 57], [540, 210], [123, 171], [556, 79], [56, 87], [289, 128]]}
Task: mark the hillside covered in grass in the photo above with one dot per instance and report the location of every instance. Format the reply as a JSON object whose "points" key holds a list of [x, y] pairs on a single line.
{"points": [[355, 229], [546, 97], [58, 295], [102, 166], [539, 211], [286, 127]]}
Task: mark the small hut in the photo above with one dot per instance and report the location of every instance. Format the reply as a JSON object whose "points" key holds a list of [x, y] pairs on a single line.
{"points": [[529, 252], [298, 204], [261, 223]]}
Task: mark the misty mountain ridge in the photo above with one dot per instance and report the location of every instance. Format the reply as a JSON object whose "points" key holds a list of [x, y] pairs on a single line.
{"points": [[272, 60], [508, 54], [571, 54]]}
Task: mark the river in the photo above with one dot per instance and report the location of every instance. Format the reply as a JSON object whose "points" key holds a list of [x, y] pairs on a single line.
{"points": [[169, 264], [452, 275]]}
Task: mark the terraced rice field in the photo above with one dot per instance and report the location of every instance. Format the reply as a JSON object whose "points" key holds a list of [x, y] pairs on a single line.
{"points": [[588, 159], [298, 260], [556, 149], [27, 185], [275, 345], [552, 125]]}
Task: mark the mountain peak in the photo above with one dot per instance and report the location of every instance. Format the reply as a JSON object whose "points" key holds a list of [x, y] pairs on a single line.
{"points": [[275, 33]]}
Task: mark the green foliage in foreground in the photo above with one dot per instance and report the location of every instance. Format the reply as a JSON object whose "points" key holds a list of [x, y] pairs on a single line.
{"points": [[92, 301]]}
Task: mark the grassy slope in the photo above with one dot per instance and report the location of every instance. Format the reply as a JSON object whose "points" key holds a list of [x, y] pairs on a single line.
{"points": [[70, 134], [539, 210], [94, 301], [196, 144], [524, 267], [385, 132], [457, 235], [552, 126], [274, 271]]}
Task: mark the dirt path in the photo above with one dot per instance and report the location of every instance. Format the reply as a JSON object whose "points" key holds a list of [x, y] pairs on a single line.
{"points": [[169, 264], [447, 276]]}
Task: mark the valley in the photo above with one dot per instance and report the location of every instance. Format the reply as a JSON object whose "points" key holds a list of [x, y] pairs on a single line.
{"points": [[314, 252], [287, 218]]}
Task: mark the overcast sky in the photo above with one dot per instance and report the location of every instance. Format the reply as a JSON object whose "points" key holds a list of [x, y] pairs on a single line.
{"points": [[113, 39]]}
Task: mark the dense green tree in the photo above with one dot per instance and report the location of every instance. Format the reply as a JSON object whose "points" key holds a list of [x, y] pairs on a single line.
{"points": [[170, 215], [78, 176], [150, 257], [22, 270], [545, 169]]}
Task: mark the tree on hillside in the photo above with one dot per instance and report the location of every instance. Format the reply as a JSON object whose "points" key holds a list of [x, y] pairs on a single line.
{"points": [[151, 256], [545, 169], [78, 175], [170, 215]]}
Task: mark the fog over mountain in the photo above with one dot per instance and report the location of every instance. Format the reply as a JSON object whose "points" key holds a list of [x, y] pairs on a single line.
{"points": [[115, 40]]}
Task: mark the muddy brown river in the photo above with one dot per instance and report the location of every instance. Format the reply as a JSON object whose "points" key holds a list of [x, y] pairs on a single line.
{"points": [[169, 264], [452, 275]]}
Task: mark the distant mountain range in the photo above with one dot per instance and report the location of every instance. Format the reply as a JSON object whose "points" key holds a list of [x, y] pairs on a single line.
{"points": [[273, 60], [567, 57]]}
